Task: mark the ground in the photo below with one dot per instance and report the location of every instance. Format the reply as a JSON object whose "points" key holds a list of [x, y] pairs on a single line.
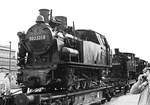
{"points": [[128, 99]]}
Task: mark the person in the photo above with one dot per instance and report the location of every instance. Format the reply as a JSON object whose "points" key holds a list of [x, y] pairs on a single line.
{"points": [[142, 87]]}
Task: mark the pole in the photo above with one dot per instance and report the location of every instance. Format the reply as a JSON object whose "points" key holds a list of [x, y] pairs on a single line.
{"points": [[10, 57], [9, 64], [8, 86]]}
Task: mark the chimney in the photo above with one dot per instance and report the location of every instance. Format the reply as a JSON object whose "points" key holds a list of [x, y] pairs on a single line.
{"points": [[45, 14], [116, 50]]}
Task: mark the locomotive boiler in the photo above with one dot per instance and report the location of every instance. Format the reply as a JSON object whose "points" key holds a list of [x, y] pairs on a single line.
{"points": [[55, 56]]}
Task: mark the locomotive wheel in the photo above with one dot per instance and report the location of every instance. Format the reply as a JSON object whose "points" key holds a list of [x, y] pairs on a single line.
{"points": [[126, 88], [107, 95], [83, 84], [1, 101], [24, 89], [70, 88], [21, 99], [88, 85], [113, 93], [56, 102], [77, 85]]}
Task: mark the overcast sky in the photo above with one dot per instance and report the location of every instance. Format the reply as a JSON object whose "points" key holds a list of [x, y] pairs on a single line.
{"points": [[125, 23]]}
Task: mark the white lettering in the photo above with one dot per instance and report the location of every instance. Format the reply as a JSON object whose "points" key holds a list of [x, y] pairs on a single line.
{"points": [[41, 37]]}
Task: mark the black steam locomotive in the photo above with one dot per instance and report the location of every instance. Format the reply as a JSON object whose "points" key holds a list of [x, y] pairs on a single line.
{"points": [[55, 56], [125, 70]]}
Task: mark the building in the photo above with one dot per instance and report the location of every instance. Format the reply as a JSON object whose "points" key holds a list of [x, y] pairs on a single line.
{"points": [[7, 62], [8, 65]]}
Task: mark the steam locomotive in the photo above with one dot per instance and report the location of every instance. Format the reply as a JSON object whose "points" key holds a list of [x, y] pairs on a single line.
{"points": [[63, 66], [125, 70], [55, 56], [62, 63]]}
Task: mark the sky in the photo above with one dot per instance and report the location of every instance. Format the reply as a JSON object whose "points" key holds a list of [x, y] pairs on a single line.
{"points": [[125, 23]]}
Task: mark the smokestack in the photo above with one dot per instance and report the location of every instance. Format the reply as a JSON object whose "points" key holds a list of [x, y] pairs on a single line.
{"points": [[45, 14], [116, 50]]}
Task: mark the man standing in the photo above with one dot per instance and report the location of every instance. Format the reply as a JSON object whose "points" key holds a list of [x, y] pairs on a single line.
{"points": [[142, 87]]}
